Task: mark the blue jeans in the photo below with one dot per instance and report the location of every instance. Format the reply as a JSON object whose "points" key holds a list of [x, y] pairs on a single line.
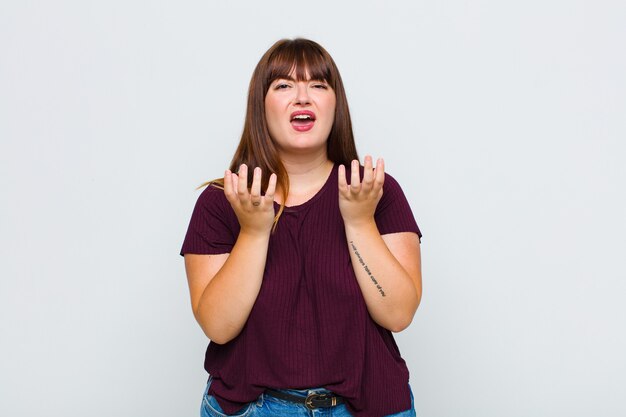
{"points": [[268, 406]]}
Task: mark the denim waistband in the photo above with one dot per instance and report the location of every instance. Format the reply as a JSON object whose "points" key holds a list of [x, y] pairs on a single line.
{"points": [[299, 392], [305, 392]]}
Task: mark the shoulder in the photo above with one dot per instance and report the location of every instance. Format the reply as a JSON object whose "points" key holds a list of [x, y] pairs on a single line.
{"points": [[213, 227], [213, 203], [392, 189], [393, 213], [212, 195], [391, 183]]}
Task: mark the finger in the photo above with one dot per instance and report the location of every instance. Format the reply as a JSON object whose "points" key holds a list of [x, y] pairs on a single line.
{"points": [[271, 188], [255, 191], [242, 186], [355, 177], [380, 174], [343, 183], [228, 185], [368, 174], [235, 180]]}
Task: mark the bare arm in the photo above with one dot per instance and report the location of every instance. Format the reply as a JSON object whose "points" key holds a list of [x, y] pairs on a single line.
{"points": [[388, 271], [224, 287], [388, 268]]}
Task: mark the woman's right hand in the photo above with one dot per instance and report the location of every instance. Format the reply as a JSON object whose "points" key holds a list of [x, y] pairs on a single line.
{"points": [[254, 211]]}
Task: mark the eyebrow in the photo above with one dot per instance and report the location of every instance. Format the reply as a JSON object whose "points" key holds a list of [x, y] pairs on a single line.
{"points": [[290, 78]]}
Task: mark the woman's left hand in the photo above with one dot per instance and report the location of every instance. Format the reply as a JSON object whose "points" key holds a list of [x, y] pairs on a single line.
{"points": [[358, 201]]}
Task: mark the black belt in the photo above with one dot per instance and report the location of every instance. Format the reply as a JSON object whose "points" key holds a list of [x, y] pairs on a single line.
{"points": [[311, 401]]}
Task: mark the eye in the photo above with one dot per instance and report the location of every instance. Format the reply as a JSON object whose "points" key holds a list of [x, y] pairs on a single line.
{"points": [[320, 86], [281, 86]]}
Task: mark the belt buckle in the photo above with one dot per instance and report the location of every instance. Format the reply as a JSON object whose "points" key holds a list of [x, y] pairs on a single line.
{"points": [[308, 402]]}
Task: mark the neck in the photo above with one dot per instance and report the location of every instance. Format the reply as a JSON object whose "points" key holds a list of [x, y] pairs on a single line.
{"points": [[306, 175], [299, 167]]}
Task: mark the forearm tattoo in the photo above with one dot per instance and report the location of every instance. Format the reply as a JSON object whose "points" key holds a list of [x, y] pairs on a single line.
{"points": [[369, 273]]}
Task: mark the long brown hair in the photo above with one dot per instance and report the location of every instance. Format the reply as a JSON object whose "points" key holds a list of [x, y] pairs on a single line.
{"points": [[256, 147]]}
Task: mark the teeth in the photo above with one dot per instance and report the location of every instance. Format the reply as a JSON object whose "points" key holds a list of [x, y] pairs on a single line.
{"points": [[302, 116]]}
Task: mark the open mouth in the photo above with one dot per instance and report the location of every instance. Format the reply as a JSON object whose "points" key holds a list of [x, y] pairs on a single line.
{"points": [[302, 120]]}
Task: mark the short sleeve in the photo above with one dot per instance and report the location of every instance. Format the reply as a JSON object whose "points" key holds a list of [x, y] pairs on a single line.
{"points": [[213, 228], [393, 213]]}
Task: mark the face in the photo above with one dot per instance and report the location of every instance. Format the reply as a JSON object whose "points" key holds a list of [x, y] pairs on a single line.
{"points": [[300, 114]]}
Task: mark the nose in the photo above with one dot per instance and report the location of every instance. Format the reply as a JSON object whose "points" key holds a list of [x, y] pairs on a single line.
{"points": [[302, 95]]}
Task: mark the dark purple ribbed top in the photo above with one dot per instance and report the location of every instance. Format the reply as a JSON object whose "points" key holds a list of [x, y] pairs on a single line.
{"points": [[309, 326]]}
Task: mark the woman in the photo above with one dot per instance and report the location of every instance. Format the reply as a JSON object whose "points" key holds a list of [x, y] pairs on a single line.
{"points": [[300, 287]]}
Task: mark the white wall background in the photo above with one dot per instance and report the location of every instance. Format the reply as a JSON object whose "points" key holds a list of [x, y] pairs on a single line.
{"points": [[503, 120]]}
